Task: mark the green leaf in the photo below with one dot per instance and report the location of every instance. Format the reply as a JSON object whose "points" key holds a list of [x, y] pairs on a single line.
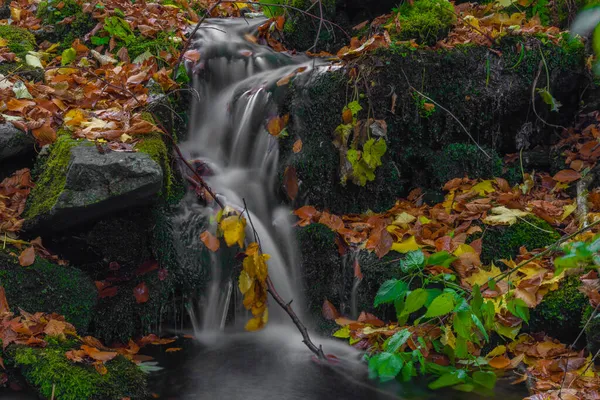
{"points": [[549, 99], [477, 301], [355, 107], [479, 325], [488, 312], [441, 305], [373, 151], [389, 291], [462, 324], [415, 300], [396, 341], [442, 258], [449, 379], [461, 350], [518, 308], [487, 379], [342, 333], [408, 371], [99, 41], [492, 284], [68, 56], [413, 260], [387, 365]]}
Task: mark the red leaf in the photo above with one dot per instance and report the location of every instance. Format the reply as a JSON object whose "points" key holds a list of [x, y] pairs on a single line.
{"points": [[329, 311], [357, 273], [146, 266], [4, 308], [290, 182], [141, 294], [27, 257]]}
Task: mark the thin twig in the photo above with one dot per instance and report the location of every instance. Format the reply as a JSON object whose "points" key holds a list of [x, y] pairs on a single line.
{"points": [[449, 112], [314, 46]]}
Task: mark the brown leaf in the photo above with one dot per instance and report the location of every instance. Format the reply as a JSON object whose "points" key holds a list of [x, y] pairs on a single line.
{"points": [[332, 221], [329, 311], [290, 182], [347, 116], [4, 308], [141, 293], [98, 355], [566, 176], [210, 241], [357, 272], [27, 257], [192, 55], [172, 349], [55, 328]]}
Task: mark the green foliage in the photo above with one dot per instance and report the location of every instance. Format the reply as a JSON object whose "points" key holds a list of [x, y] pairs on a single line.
{"points": [[52, 176], [466, 319], [118, 28], [459, 160], [579, 255], [154, 145], [51, 372], [51, 14], [164, 41], [426, 21], [366, 161], [560, 312], [49, 288], [505, 242], [426, 110], [20, 41]]}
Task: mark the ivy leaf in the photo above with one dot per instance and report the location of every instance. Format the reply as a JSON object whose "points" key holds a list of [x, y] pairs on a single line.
{"points": [[373, 151], [441, 305], [354, 107], [390, 290]]}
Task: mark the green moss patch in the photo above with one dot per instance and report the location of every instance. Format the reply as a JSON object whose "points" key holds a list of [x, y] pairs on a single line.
{"points": [[52, 12], [49, 370], [426, 21], [560, 312], [47, 287], [505, 242], [458, 160], [20, 41]]}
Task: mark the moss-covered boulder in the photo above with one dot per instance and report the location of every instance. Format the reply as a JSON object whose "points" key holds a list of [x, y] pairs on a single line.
{"points": [[77, 183], [14, 142], [425, 21], [49, 288], [504, 242], [489, 95], [54, 12], [592, 329], [560, 312], [458, 160], [54, 376], [20, 41]]}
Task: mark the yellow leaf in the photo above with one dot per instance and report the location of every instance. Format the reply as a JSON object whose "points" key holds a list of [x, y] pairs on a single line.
{"points": [[504, 216], [404, 219], [424, 220], [342, 333], [3, 42], [409, 244], [234, 230], [125, 138], [462, 249], [497, 351], [449, 202], [254, 324], [568, 210], [482, 276], [74, 117], [448, 338], [483, 188], [245, 282]]}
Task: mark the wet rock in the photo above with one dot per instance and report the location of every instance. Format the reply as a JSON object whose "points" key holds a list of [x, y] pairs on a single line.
{"points": [[14, 142], [79, 184]]}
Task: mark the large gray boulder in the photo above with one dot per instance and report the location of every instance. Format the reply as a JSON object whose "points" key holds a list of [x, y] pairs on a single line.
{"points": [[14, 142], [91, 185]]}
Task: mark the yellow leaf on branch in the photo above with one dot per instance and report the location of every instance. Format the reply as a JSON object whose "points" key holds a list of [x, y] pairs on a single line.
{"points": [[253, 285], [234, 230]]}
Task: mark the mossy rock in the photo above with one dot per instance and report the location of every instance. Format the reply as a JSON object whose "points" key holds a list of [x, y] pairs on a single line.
{"points": [[54, 376], [592, 330], [504, 242], [490, 96], [459, 160], [119, 318], [47, 287], [52, 12], [560, 312], [426, 21], [20, 40]]}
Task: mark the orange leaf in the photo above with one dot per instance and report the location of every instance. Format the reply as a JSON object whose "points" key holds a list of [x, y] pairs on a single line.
{"points": [[98, 355], [172, 349], [100, 368], [566, 176], [192, 55], [297, 146], [332, 221], [357, 272], [18, 105], [55, 327], [276, 125], [347, 116], [4, 308], [210, 241], [27, 257], [141, 294], [45, 134], [499, 362]]}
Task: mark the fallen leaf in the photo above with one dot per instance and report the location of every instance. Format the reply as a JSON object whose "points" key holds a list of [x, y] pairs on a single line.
{"points": [[141, 294], [566, 176], [210, 241], [297, 146], [27, 257], [329, 311]]}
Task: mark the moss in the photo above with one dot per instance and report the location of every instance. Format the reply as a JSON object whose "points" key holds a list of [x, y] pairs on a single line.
{"points": [[55, 376], [504, 242], [300, 30], [154, 145], [117, 319], [51, 14], [426, 21], [53, 176], [163, 42], [47, 287], [592, 330], [458, 160], [560, 312], [20, 41]]}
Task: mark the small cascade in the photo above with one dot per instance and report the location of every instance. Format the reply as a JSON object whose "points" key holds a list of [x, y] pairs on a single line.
{"points": [[236, 91]]}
